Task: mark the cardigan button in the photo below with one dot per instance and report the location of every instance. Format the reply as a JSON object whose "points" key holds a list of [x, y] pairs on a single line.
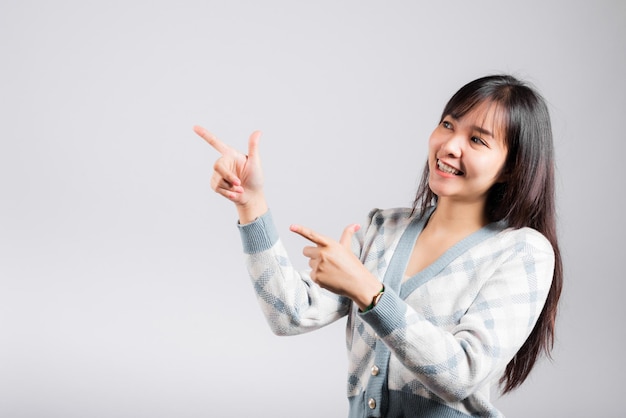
{"points": [[371, 403], [375, 370]]}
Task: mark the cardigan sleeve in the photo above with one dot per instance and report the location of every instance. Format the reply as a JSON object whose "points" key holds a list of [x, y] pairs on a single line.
{"points": [[453, 362], [291, 302]]}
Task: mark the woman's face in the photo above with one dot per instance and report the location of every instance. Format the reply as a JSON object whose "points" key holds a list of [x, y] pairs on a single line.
{"points": [[467, 155]]}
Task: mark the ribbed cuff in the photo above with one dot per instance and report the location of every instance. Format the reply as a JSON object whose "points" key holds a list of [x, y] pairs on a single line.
{"points": [[258, 235], [388, 314]]}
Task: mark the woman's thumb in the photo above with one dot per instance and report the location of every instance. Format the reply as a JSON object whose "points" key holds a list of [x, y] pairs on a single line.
{"points": [[348, 232], [253, 144]]}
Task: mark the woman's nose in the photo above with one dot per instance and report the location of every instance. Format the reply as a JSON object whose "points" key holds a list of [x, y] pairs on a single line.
{"points": [[452, 146]]}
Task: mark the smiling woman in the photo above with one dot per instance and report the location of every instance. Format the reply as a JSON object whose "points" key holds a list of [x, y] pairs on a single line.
{"points": [[522, 192], [443, 299]]}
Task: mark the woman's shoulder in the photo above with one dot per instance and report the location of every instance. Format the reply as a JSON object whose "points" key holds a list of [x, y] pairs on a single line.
{"points": [[389, 223], [519, 253], [390, 216], [524, 240], [382, 228]]}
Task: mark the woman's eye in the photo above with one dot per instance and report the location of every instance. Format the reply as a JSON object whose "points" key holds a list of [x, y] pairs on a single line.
{"points": [[477, 140], [446, 124]]}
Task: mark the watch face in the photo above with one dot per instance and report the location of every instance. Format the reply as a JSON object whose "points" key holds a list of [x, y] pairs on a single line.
{"points": [[378, 298]]}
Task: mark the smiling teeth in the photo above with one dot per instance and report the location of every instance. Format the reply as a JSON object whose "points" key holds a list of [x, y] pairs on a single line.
{"points": [[447, 169]]}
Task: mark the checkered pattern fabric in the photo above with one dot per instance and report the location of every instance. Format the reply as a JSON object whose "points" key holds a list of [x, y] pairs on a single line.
{"points": [[436, 342]]}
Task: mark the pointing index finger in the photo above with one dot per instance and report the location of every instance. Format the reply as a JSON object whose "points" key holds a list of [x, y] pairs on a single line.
{"points": [[309, 234], [211, 140]]}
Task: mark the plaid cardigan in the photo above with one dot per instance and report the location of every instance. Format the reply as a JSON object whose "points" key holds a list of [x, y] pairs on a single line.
{"points": [[435, 343]]}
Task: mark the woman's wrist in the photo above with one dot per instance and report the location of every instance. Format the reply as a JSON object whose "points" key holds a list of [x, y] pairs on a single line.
{"points": [[375, 300], [251, 210], [369, 295]]}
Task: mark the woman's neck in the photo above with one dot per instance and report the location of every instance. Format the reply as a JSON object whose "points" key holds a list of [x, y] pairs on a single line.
{"points": [[450, 216]]}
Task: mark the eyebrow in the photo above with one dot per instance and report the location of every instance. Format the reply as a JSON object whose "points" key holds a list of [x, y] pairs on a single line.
{"points": [[483, 131], [480, 129]]}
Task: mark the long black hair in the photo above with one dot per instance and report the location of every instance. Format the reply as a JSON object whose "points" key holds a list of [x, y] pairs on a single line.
{"points": [[526, 198]]}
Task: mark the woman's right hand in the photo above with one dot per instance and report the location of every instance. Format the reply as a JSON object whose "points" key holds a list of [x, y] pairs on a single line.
{"points": [[238, 177]]}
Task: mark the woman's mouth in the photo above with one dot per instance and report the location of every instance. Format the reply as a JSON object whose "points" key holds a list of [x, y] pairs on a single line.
{"points": [[448, 169]]}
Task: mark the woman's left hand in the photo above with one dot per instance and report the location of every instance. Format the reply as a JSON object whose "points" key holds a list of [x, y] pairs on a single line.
{"points": [[336, 268]]}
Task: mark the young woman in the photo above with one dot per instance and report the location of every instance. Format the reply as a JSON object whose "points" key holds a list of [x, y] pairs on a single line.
{"points": [[445, 298]]}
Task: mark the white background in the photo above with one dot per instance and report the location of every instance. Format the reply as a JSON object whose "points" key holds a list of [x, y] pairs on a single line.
{"points": [[122, 287]]}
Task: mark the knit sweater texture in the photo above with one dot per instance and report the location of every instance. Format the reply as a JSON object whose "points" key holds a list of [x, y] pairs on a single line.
{"points": [[436, 343]]}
